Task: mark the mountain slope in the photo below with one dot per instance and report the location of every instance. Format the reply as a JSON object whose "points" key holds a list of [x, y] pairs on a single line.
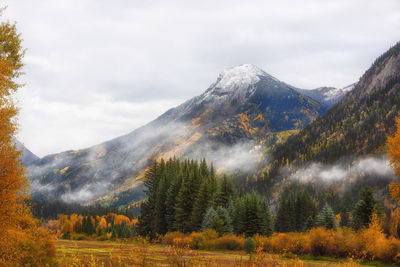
{"points": [[327, 96], [356, 126], [27, 157], [242, 110]]}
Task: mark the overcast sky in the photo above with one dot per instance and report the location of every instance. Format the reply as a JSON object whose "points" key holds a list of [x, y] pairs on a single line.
{"points": [[98, 69]]}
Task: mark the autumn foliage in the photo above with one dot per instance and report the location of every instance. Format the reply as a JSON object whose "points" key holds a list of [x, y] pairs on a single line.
{"points": [[394, 149], [22, 241], [82, 227]]}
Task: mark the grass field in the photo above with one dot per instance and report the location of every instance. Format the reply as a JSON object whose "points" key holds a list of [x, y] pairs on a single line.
{"points": [[103, 253]]}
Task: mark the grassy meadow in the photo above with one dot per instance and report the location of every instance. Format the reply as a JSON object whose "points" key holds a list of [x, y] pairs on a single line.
{"points": [[141, 253]]}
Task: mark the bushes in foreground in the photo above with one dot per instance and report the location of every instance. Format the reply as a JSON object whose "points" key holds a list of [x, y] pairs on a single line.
{"points": [[367, 244], [208, 239]]}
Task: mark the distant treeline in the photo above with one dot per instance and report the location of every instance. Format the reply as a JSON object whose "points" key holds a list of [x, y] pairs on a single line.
{"points": [[79, 227], [50, 209]]}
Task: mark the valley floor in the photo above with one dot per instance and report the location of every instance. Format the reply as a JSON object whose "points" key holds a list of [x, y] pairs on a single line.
{"points": [[105, 253]]}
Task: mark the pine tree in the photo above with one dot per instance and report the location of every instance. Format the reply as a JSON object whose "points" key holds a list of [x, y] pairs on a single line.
{"points": [[239, 216], [305, 208], [218, 220], [286, 216], [310, 223], [225, 193], [344, 219], [172, 194], [256, 216], [160, 221], [210, 213], [184, 204], [364, 208], [213, 181], [204, 172], [200, 205], [327, 218], [146, 219]]}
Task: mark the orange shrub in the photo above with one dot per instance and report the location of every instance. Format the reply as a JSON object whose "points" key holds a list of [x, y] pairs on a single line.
{"points": [[282, 243], [201, 240], [370, 243], [321, 241], [182, 242], [168, 238], [376, 246], [227, 242], [198, 240]]}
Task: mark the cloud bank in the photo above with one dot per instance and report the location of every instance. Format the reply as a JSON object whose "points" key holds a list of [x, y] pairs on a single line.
{"points": [[343, 170]]}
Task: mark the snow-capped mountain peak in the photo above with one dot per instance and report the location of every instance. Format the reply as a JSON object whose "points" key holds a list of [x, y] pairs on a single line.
{"points": [[239, 77], [238, 82]]}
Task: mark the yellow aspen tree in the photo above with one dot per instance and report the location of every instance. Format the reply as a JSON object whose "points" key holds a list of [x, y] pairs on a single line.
{"points": [[22, 242]]}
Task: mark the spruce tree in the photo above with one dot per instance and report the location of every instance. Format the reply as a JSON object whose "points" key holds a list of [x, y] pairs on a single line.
{"points": [[225, 193], [200, 206], [305, 208], [344, 219], [239, 216], [146, 218], [160, 221], [310, 223], [218, 219], [364, 208], [184, 204], [286, 215], [327, 218], [256, 216], [208, 216], [172, 194]]}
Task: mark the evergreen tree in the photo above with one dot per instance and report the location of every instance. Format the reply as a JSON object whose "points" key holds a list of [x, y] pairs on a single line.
{"points": [[310, 223], [218, 220], [204, 172], [172, 194], [213, 180], [286, 215], [225, 193], [146, 219], [256, 216], [304, 208], [160, 221], [364, 208], [200, 205], [344, 219], [239, 216], [327, 218], [184, 204], [210, 214]]}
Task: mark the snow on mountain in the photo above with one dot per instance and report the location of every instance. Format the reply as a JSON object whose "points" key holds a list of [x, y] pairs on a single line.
{"points": [[238, 82], [327, 96]]}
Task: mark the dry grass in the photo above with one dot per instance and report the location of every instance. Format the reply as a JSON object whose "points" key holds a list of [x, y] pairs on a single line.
{"points": [[141, 253]]}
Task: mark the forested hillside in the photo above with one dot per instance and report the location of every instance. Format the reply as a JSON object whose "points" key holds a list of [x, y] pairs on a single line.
{"points": [[358, 125]]}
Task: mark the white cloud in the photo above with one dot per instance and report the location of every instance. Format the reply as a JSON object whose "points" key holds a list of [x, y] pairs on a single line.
{"points": [[98, 69], [343, 170]]}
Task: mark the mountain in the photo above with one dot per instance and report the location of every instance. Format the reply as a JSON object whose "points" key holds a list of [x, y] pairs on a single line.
{"points": [[27, 157], [356, 127], [327, 96], [244, 110]]}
